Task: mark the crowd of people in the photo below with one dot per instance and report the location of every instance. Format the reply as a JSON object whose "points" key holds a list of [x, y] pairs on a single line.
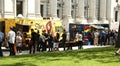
{"points": [[40, 43], [16, 39], [102, 37]]}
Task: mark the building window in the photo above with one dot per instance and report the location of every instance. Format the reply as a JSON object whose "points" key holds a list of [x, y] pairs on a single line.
{"points": [[19, 7], [58, 13], [73, 6], [41, 7], [72, 13], [116, 16], [59, 5], [98, 10], [72, 1], [116, 0]]}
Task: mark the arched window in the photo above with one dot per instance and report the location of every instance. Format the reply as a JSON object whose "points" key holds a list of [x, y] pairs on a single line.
{"points": [[116, 0], [116, 16], [19, 7]]}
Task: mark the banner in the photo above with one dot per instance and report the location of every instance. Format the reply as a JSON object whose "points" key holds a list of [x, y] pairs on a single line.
{"points": [[49, 26]]}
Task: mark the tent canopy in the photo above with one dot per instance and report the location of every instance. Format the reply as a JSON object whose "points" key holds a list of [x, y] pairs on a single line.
{"points": [[97, 27]]}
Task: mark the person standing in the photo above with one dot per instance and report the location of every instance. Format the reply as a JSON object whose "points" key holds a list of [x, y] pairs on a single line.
{"points": [[1, 41], [103, 38], [32, 42], [96, 36], [45, 40], [38, 40], [19, 42], [55, 44], [57, 37], [50, 40], [80, 39], [64, 35], [11, 41], [90, 38], [111, 37]]}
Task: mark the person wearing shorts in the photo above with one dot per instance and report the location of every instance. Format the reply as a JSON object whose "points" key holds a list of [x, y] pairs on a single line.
{"points": [[55, 44]]}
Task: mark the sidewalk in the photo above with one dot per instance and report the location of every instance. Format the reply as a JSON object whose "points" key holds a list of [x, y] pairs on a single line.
{"points": [[6, 53]]}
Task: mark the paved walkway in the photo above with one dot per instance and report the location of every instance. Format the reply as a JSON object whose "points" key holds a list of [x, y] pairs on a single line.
{"points": [[6, 53]]}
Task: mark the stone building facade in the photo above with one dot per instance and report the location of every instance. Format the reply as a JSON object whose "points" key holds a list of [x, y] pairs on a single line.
{"points": [[70, 11]]}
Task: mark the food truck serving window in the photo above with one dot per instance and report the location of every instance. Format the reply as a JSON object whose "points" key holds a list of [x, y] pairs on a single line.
{"points": [[25, 28]]}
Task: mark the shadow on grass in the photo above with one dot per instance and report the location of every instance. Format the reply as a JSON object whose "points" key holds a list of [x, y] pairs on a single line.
{"points": [[19, 64], [98, 54]]}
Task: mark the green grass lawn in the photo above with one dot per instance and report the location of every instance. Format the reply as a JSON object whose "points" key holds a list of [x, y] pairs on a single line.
{"points": [[85, 57]]}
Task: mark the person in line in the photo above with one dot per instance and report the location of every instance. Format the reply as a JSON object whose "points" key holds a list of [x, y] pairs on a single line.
{"points": [[57, 37], [64, 35], [44, 40], [11, 41], [116, 35], [50, 39], [25, 44], [32, 42], [55, 44], [90, 37], [80, 40], [111, 37], [103, 38], [19, 42], [108, 38], [96, 36], [19, 31], [1, 41], [37, 40]]}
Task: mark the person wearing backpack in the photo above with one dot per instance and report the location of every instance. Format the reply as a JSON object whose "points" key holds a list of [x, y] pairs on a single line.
{"points": [[1, 40]]}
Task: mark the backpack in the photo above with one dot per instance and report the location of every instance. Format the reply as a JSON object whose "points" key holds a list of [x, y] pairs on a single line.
{"points": [[40, 39]]}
